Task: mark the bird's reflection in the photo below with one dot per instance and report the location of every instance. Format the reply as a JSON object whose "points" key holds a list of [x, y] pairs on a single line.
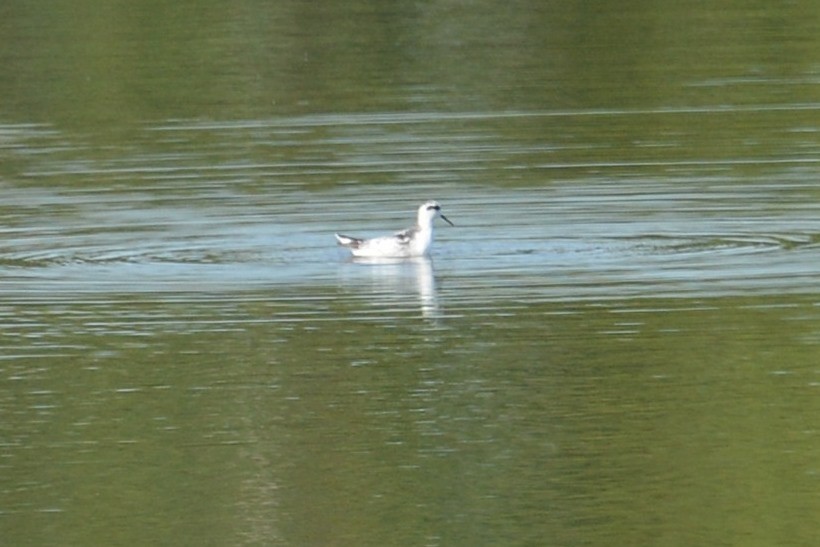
{"points": [[403, 277]]}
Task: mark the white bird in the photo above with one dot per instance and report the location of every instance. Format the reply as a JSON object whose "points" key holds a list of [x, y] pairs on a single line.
{"points": [[408, 243]]}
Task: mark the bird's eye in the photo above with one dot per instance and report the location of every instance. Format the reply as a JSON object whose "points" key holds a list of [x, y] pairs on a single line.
{"points": [[433, 207]]}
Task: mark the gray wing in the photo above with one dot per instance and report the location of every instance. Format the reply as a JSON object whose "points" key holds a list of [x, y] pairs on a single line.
{"points": [[405, 236], [347, 241]]}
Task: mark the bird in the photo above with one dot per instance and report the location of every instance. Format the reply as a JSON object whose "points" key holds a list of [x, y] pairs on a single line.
{"points": [[412, 242]]}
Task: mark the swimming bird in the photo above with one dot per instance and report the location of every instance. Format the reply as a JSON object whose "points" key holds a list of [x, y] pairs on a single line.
{"points": [[407, 243]]}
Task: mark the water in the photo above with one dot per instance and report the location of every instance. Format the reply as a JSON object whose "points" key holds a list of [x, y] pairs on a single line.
{"points": [[618, 339]]}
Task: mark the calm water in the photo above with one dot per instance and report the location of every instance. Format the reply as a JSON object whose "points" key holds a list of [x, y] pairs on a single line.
{"points": [[616, 344]]}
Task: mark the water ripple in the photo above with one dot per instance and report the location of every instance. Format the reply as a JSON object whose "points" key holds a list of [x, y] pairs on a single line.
{"points": [[247, 205]]}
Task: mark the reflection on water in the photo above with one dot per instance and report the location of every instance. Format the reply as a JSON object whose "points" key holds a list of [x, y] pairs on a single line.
{"points": [[388, 280]]}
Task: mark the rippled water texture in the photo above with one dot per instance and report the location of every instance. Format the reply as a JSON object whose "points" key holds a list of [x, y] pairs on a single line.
{"points": [[616, 343], [162, 222]]}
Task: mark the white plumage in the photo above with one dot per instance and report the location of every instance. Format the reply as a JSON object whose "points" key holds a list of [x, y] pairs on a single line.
{"points": [[407, 243]]}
